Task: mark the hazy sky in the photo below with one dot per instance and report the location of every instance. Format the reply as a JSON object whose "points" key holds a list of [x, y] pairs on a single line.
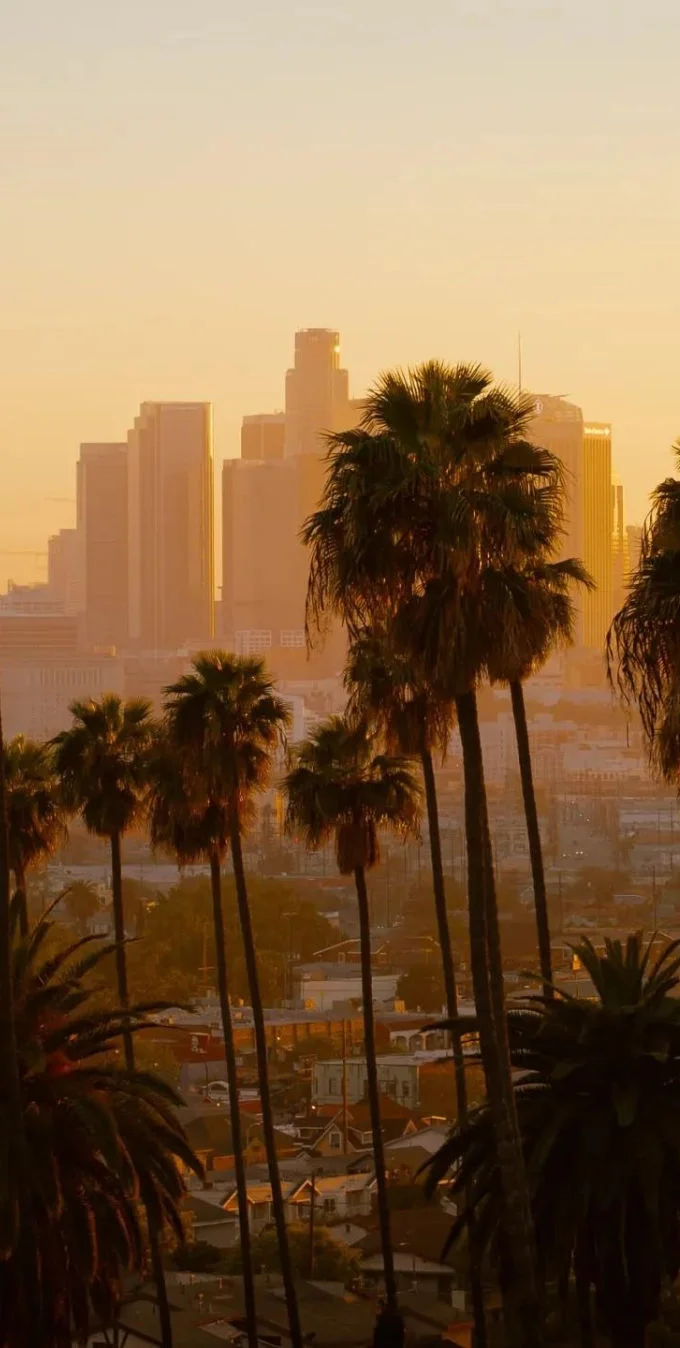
{"points": [[185, 182]]}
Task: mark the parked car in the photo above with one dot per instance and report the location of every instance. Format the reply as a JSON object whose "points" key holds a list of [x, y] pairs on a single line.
{"points": [[217, 1093]]}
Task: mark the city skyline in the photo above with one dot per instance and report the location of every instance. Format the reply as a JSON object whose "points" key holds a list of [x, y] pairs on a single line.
{"points": [[275, 437], [146, 255]]}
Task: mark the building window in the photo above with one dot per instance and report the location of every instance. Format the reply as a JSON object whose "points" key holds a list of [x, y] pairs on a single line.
{"points": [[253, 641], [292, 638], [334, 1140]]}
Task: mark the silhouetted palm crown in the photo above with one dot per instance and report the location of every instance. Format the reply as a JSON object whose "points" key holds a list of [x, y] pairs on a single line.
{"points": [[598, 1103], [35, 818], [184, 818], [228, 720], [390, 690], [438, 484], [339, 787], [644, 640], [100, 1139], [102, 761]]}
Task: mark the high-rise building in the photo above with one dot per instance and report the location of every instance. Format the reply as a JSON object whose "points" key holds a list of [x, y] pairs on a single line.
{"points": [[558, 426], [102, 518], [64, 570], [317, 392], [170, 521], [619, 548], [597, 532], [634, 545], [263, 436], [266, 496], [261, 553]]}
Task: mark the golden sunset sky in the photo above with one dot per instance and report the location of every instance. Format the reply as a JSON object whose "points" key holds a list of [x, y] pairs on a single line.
{"points": [[185, 183]]}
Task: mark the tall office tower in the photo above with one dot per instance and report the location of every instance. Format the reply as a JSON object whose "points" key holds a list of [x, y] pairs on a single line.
{"points": [[597, 532], [102, 516], [263, 436], [170, 520], [317, 392], [262, 588], [634, 544], [558, 426], [619, 549], [64, 571]]}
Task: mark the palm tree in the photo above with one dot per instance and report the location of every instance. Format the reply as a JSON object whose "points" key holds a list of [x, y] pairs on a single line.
{"points": [[598, 1101], [643, 645], [438, 486], [340, 788], [226, 720], [13, 1131], [532, 611], [415, 719], [100, 1138], [35, 814], [102, 762], [194, 825]]}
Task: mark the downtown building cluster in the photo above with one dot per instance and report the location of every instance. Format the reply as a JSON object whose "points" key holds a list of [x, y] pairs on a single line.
{"points": [[130, 594]]}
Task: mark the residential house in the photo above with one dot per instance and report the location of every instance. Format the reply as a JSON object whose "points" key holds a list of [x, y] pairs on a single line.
{"points": [[335, 1196]]}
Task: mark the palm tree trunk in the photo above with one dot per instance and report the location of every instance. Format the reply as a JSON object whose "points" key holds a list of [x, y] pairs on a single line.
{"points": [[263, 1072], [372, 1081], [20, 899], [119, 933], [9, 1063], [519, 712], [232, 1081], [443, 931], [124, 999], [487, 979]]}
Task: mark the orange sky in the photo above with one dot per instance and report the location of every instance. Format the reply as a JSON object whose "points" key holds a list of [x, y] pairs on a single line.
{"points": [[184, 185]]}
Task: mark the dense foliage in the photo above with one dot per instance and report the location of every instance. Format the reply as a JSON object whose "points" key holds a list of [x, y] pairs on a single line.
{"points": [[597, 1088], [99, 1142]]}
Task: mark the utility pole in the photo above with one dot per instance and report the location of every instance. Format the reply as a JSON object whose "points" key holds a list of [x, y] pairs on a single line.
{"points": [[344, 1087], [312, 1207]]}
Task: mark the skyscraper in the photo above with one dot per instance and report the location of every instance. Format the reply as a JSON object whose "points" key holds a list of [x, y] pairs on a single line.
{"points": [[558, 426], [634, 545], [102, 519], [261, 553], [598, 521], [266, 498], [619, 549], [317, 392], [263, 436], [64, 570], [170, 520]]}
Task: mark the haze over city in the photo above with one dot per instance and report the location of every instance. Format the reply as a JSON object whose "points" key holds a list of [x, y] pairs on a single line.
{"points": [[183, 189], [340, 674]]}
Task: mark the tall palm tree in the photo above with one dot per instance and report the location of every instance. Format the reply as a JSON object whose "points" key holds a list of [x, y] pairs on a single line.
{"points": [[100, 1138], [643, 644], [438, 485], [102, 762], [188, 821], [531, 612], [13, 1131], [598, 1099], [415, 718], [35, 813], [340, 788], [226, 720]]}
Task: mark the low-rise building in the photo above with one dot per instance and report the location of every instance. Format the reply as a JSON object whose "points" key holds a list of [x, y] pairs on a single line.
{"points": [[322, 986]]}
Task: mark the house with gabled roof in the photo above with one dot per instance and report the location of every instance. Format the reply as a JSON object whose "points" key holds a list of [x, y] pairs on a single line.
{"points": [[334, 1196]]}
